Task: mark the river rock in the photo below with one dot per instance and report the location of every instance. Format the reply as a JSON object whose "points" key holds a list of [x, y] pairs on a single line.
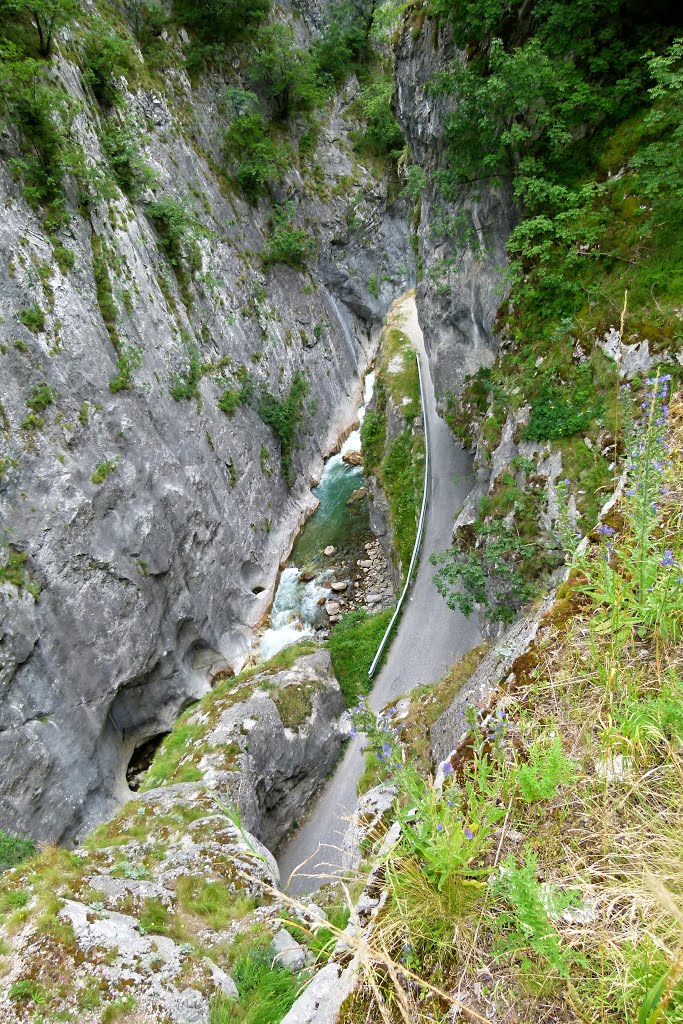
{"points": [[373, 598], [332, 607], [329, 550], [364, 563], [356, 495], [339, 586], [352, 458]]}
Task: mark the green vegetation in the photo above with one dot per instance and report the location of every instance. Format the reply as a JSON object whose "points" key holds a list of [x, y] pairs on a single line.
{"points": [[595, 168], [40, 397], [14, 571], [178, 229], [102, 471], [266, 989], [287, 244], [398, 464], [121, 142], [552, 807], [106, 58], [14, 850], [33, 318], [283, 416], [185, 385], [103, 289], [353, 644], [129, 360], [255, 161]]}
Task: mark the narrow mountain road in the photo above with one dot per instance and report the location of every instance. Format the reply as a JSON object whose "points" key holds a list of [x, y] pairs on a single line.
{"points": [[429, 640]]}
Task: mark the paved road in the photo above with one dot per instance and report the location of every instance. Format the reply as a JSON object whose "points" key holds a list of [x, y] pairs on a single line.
{"points": [[430, 639]]}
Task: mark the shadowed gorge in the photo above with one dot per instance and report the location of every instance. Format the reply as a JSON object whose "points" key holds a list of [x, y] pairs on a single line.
{"points": [[341, 571]]}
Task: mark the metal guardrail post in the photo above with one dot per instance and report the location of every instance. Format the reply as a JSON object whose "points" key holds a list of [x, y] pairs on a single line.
{"points": [[420, 529]]}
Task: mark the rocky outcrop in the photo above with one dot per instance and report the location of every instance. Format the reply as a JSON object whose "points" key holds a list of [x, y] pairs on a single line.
{"points": [[287, 735], [113, 924], [462, 241], [142, 533], [141, 916]]}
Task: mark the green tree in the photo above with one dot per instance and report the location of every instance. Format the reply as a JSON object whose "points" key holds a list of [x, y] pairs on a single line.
{"points": [[220, 21], [283, 73], [48, 17], [254, 159], [106, 57]]}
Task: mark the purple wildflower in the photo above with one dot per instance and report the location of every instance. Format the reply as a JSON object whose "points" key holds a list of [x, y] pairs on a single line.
{"points": [[469, 834], [668, 558], [447, 768], [439, 827]]}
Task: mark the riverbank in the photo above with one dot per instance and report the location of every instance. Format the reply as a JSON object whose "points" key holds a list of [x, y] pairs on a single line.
{"points": [[430, 639]]}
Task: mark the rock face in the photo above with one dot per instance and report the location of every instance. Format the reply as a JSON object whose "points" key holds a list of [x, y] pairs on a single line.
{"points": [[461, 243], [181, 869], [288, 731], [147, 530]]}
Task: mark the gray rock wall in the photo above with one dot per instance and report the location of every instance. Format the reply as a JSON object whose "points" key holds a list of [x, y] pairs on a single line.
{"points": [[461, 243], [137, 579]]}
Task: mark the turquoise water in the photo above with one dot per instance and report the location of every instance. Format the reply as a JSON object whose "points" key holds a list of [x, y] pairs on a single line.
{"points": [[296, 610]]}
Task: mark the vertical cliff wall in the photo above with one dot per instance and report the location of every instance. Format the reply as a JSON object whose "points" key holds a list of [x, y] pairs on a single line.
{"points": [[460, 242], [143, 526]]}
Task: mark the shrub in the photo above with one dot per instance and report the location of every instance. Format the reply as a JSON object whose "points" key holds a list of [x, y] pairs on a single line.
{"points": [[33, 318], [220, 21], [14, 849], [129, 359], [42, 113], [255, 161], [282, 73], [178, 227], [48, 16], [344, 43], [102, 471], [40, 397], [229, 402], [287, 244], [186, 385], [381, 134], [103, 289], [106, 58], [561, 410], [283, 416], [120, 140]]}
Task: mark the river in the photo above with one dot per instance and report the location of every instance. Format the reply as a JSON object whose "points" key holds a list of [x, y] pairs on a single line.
{"points": [[339, 522]]}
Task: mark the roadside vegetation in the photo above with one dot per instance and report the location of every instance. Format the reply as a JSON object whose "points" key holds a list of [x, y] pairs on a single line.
{"points": [[396, 459], [595, 170], [541, 873]]}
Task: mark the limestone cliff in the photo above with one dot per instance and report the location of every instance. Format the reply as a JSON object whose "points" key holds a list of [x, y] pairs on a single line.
{"points": [[142, 532], [460, 242]]}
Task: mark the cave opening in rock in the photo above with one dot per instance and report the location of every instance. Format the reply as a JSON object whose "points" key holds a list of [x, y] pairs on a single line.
{"points": [[141, 760]]}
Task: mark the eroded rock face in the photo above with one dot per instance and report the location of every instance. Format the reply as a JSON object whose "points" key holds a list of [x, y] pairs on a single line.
{"points": [[286, 731], [461, 243], [152, 529]]}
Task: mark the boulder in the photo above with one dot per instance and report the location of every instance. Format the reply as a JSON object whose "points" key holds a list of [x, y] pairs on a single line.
{"points": [[339, 586], [329, 550], [288, 952], [352, 458]]}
